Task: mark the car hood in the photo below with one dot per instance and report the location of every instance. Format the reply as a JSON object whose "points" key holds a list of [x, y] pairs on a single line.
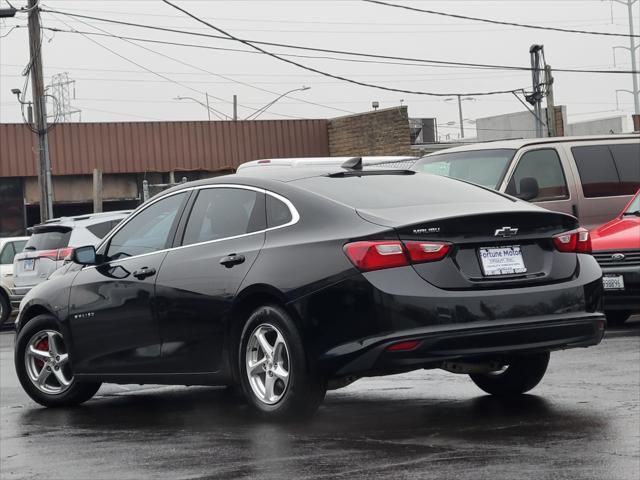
{"points": [[620, 233]]}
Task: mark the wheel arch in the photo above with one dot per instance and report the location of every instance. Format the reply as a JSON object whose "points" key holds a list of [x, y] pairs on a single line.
{"points": [[246, 302], [30, 313]]}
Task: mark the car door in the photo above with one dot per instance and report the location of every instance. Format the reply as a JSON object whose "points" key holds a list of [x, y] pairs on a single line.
{"points": [[217, 245], [545, 166], [111, 307]]}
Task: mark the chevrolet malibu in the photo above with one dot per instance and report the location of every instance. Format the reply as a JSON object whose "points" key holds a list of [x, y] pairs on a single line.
{"points": [[288, 282]]}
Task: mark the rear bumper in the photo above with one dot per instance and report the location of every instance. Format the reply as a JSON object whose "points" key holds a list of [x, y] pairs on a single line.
{"points": [[629, 298], [16, 295], [348, 325], [486, 340]]}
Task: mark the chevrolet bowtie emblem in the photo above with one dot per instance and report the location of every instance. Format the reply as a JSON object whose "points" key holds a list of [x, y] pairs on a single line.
{"points": [[506, 232]]}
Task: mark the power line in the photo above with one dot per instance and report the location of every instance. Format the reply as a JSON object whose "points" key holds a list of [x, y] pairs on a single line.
{"points": [[432, 62], [326, 74], [498, 22]]}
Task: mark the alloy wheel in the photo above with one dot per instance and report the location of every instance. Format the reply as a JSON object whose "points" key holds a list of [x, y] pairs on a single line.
{"points": [[267, 364], [47, 362]]}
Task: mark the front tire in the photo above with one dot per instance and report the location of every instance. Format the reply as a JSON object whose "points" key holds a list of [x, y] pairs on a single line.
{"points": [[44, 366], [616, 318], [276, 377], [521, 375]]}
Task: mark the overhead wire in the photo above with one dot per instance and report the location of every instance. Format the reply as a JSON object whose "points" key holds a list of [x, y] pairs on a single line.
{"points": [[217, 113], [216, 75], [327, 74], [500, 22], [332, 51]]}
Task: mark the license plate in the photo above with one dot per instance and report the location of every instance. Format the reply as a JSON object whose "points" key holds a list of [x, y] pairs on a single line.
{"points": [[502, 260], [613, 282], [28, 264]]}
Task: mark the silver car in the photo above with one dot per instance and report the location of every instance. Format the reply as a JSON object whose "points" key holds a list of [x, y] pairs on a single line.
{"points": [[51, 242], [9, 247]]}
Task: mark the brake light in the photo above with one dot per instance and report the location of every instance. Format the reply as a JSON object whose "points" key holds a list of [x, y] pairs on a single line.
{"points": [[369, 256], [427, 251], [376, 255], [575, 241], [55, 255], [403, 346]]}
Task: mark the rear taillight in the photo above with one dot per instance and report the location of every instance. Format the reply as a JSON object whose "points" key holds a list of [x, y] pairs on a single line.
{"points": [[427, 251], [55, 255], [575, 241], [376, 255], [369, 256]]}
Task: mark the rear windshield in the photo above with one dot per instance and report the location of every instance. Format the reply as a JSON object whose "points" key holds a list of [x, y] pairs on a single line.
{"points": [[49, 240], [390, 191], [484, 167]]}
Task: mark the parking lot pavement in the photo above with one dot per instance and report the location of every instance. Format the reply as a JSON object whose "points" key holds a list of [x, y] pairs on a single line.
{"points": [[582, 421]]}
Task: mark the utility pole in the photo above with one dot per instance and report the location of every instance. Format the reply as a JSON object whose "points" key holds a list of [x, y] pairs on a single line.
{"points": [[235, 108], [460, 114], [535, 98], [632, 50], [40, 110], [61, 92], [551, 107]]}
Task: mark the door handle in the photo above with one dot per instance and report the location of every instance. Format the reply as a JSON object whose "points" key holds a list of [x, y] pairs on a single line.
{"points": [[144, 272], [231, 260]]}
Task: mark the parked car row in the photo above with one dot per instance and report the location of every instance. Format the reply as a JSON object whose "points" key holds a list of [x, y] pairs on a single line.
{"points": [[294, 276]]}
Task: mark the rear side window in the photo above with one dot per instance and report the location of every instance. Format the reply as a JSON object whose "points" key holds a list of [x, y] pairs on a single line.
{"points": [[277, 212], [8, 252], [608, 170], [49, 240], [101, 229], [545, 167], [224, 212]]}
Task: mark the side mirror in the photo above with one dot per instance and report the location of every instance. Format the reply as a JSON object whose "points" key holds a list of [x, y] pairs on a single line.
{"points": [[529, 188], [84, 255]]}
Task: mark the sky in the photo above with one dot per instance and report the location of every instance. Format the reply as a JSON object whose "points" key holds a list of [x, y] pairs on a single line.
{"points": [[120, 80]]}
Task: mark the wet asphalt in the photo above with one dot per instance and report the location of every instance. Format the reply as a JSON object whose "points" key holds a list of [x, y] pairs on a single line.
{"points": [[581, 422]]}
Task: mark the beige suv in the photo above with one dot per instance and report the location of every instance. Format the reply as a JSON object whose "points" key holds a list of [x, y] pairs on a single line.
{"points": [[592, 178]]}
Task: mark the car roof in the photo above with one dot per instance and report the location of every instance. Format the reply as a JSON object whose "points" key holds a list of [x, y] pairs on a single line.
{"points": [[524, 142], [4, 240]]}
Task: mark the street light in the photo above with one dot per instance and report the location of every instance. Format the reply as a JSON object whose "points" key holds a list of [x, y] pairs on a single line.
{"points": [[460, 99], [617, 100], [17, 92], [205, 105], [260, 111]]}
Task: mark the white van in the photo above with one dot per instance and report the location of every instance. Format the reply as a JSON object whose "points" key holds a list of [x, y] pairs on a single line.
{"points": [[592, 178]]}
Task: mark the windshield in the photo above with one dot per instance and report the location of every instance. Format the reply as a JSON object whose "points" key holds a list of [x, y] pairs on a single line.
{"points": [[483, 167], [634, 207]]}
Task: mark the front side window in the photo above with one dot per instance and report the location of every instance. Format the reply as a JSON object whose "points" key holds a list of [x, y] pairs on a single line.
{"points": [[148, 231], [544, 166], [221, 213]]}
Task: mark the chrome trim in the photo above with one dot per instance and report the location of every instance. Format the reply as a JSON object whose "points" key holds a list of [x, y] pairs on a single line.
{"points": [[295, 217]]}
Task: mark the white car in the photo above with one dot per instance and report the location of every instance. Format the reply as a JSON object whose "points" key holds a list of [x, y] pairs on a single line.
{"points": [[51, 242], [9, 247], [400, 162]]}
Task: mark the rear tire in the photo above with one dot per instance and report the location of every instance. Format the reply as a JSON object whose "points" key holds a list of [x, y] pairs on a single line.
{"points": [[5, 309], [522, 374], [616, 318], [276, 377], [44, 366]]}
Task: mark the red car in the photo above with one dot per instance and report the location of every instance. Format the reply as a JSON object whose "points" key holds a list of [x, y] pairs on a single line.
{"points": [[616, 247]]}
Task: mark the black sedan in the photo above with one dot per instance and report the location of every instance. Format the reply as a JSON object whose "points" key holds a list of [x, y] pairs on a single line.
{"points": [[289, 282]]}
